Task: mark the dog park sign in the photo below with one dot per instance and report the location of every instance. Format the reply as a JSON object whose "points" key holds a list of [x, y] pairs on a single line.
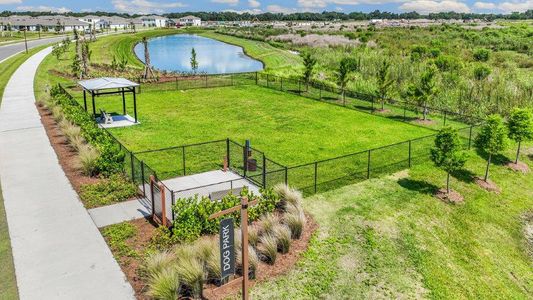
{"points": [[227, 247]]}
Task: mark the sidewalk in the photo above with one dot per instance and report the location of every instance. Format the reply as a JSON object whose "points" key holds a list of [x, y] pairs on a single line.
{"points": [[58, 251]]}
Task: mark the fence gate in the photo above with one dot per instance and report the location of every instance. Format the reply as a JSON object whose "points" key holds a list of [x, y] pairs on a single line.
{"points": [[157, 196]]}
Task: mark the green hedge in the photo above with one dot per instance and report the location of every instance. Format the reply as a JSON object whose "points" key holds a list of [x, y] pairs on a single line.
{"points": [[111, 160], [191, 215]]}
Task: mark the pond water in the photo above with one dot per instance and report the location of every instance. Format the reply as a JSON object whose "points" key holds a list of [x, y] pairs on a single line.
{"points": [[173, 53]]}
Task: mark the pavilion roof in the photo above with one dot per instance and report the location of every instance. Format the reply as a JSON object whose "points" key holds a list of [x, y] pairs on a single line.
{"points": [[106, 83]]}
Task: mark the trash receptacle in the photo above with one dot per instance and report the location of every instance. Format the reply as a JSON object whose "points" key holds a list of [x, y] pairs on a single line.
{"points": [[252, 164]]}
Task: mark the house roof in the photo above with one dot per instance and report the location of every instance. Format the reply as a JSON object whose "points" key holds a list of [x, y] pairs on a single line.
{"points": [[190, 17], [106, 83]]}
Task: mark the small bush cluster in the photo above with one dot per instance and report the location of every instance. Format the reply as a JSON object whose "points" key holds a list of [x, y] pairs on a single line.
{"points": [[110, 159], [114, 189], [191, 214]]}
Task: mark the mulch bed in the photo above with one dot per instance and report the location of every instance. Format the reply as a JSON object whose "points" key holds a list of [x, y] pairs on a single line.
{"points": [[519, 167], [284, 262], [453, 197], [67, 157], [487, 185]]}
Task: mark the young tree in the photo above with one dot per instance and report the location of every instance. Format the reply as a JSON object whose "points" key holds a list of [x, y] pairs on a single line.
{"points": [[384, 82], [492, 139], [309, 64], [423, 92], [346, 66], [85, 58], [58, 50], [448, 153], [194, 62], [520, 125], [148, 72]]}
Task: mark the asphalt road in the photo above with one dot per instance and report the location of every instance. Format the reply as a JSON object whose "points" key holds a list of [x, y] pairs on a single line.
{"points": [[11, 49]]}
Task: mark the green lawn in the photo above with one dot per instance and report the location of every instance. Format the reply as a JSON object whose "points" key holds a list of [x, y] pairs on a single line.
{"points": [[8, 285], [290, 129], [389, 238]]}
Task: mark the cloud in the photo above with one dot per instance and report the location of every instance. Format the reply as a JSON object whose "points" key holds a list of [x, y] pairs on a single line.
{"points": [[433, 6], [228, 2], [485, 5], [144, 6], [280, 9], [60, 10], [254, 11], [513, 6], [10, 2], [254, 3]]}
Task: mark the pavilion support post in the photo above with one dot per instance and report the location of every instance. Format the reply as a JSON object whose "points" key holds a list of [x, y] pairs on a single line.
{"points": [[85, 99], [135, 105], [94, 107], [123, 102]]}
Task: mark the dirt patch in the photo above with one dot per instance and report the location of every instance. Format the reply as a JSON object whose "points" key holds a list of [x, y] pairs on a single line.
{"points": [[68, 158], [487, 185], [453, 197], [382, 111], [283, 264], [425, 122], [519, 167]]}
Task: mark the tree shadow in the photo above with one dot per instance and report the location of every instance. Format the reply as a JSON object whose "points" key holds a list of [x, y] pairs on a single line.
{"points": [[329, 98], [463, 175], [530, 156], [402, 119], [420, 186], [364, 108], [497, 159]]}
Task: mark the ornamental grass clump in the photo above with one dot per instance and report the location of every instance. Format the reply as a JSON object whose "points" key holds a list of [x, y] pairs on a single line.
{"points": [[165, 285], [268, 248], [283, 237], [253, 261], [157, 262], [294, 218], [253, 235], [57, 113], [191, 272], [70, 130], [288, 195], [267, 223], [88, 160]]}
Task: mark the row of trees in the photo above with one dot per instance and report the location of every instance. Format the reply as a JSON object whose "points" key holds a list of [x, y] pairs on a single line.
{"points": [[493, 139]]}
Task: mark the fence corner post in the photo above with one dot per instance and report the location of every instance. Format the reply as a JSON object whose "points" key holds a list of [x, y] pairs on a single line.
{"points": [[316, 174], [142, 178], [132, 167], [410, 153], [228, 154], [368, 166], [264, 171]]}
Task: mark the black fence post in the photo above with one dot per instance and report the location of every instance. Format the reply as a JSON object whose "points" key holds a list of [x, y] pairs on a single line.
{"points": [[286, 176], [264, 171], [470, 137], [183, 158], [267, 80], [227, 153], [343, 97], [409, 153], [256, 79], [299, 87], [132, 167], [172, 202], [316, 173], [142, 178], [445, 115], [281, 83], [368, 166]]}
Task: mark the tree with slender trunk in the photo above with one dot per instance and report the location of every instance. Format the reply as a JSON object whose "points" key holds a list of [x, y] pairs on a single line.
{"points": [[346, 66], [423, 92], [384, 82], [520, 126], [85, 58], [148, 72], [492, 139], [309, 64], [448, 153], [194, 61]]}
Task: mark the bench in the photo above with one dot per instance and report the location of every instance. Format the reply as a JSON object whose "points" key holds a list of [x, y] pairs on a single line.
{"points": [[105, 117], [218, 195]]}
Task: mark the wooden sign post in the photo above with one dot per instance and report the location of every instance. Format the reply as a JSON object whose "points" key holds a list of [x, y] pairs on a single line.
{"points": [[244, 237]]}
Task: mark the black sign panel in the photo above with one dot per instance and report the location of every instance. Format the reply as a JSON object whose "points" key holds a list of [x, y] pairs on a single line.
{"points": [[227, 247]]}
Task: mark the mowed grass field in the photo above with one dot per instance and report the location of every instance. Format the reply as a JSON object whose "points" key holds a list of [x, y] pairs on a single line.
{"points": [[390, 238], [290, 129]]}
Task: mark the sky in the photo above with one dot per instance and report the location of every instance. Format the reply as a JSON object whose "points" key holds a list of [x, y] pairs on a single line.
{"points": [[260, 6]]}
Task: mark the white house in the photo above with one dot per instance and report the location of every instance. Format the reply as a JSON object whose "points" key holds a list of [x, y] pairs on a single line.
{"points": [[154, 21], [189, 21]]}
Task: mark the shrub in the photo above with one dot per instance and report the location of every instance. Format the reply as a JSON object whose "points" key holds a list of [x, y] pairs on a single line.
{"points": [[288, 195], [111, 190], [88, 160], [70, 130], [253, 261], [268, 222], [77, 142], [481, 54], [253, 235], [481, 72], [283, 236], [117, 236], [57, 113], [165, 285], [213, 265], [268, 248]]}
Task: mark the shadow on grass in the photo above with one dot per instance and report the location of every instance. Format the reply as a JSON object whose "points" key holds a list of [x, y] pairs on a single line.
{"points": [[497, 159], [466, 176], [402, 119], [418, 186]]}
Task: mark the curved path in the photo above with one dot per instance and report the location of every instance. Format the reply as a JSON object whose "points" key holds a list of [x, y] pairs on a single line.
{"points": [[6, 51], [58, 252]]}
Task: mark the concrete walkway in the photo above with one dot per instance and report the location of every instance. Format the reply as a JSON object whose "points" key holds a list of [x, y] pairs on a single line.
{"points": [[58, 251]]}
